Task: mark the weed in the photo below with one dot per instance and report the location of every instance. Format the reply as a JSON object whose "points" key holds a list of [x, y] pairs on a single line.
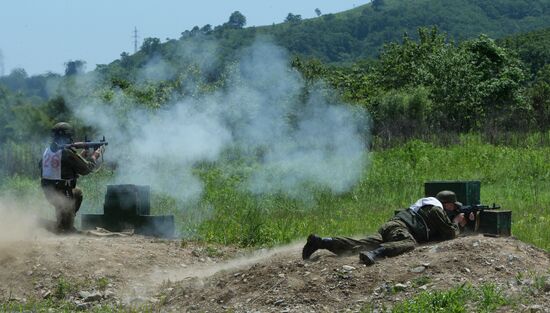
{"points": [[102, 283], [62, 289], [421, 281]]}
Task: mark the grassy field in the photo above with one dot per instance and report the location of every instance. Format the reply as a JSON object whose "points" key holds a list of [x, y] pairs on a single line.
{"points": [[516, 178]]}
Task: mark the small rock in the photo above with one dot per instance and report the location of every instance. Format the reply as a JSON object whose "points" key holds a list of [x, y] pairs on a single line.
{"points": [[348, 268], [476, 243], [535, 308], [499, 268], [46, 294], [418, 269], [426, 264], [279, 302], [82, 306], [281, 275], [153, 300], [29, 273], [423, 287], [108, 294], [466, 270], [399, 287], [102, 259], [89, 296]]}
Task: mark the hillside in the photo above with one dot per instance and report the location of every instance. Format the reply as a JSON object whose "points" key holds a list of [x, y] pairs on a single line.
{"points": [[361, 32], [52, 273]]}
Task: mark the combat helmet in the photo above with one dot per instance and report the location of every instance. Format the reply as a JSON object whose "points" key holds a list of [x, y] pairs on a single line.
{"points": [[62, 130], [447, 196]]}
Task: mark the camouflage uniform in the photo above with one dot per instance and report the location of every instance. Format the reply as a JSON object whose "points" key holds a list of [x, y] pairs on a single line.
{"points": [[400, 234], [63, 194]]}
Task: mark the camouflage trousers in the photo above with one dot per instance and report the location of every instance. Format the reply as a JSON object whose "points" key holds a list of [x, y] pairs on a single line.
{"points": [[66, 204], [394, 236]]}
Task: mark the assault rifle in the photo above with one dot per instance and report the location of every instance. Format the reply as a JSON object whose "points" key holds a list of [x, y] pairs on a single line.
{"points": [[467, 209], [86, 144]]}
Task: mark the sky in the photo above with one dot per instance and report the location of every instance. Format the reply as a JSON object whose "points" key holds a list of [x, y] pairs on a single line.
{"points": [[42, 35]]}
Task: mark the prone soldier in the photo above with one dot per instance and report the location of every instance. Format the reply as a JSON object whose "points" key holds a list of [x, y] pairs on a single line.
{"points": [[424, 221]]}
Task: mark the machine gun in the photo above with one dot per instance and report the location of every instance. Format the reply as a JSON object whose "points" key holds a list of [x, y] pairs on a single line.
{"points": [[86, 144], [467, 209]]}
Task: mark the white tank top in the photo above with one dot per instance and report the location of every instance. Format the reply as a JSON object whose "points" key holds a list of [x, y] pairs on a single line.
{"points": [[51, 164]]}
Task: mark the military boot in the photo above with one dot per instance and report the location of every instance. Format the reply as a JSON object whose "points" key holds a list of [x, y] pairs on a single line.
{"points": [[369, 257], [313, 244]]}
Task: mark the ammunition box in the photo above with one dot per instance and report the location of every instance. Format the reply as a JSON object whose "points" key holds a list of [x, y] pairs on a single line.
{"points": [[496, 222], [126, 201], [128, 207], [467, 192]]}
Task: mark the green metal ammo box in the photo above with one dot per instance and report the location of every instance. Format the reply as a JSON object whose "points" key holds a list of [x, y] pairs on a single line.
{"points": [[495, 222], [128, 207], [467, 192]]}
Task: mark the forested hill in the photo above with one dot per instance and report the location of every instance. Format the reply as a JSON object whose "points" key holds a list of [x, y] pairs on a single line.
{"points": [[362, 31], [350, 35]]}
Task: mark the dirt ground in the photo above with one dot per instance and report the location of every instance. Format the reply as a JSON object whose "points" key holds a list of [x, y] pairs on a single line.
{"points": [[176, 276]]}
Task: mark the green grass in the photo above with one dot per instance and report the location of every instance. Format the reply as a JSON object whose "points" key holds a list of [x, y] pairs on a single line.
{"points": [[464, 298], [517, 178], [54, 306]]}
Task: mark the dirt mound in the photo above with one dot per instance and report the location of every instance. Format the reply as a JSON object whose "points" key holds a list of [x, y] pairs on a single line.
{"points": [[174, 275]]}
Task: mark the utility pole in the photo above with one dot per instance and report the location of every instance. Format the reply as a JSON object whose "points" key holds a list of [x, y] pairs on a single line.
{"points": [[135, 39]]}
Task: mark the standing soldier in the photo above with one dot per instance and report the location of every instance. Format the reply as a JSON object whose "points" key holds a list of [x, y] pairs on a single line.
{"points": [[423, 221], [59, 168]]}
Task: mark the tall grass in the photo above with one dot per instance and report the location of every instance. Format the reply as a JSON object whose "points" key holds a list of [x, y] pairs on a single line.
{"points": [[517, 178]]}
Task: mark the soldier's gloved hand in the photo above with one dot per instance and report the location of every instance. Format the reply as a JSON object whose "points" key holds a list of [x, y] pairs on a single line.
{"points": [[98, 152], [460, 219]]}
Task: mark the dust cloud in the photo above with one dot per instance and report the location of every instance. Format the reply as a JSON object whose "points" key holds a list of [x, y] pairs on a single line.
{"points": [[18, 223]]}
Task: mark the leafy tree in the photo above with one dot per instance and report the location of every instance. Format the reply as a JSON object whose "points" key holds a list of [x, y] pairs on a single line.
{"points": [[293, 18], [533, 48], [195, 31], [318, 12], [206, 29], [472, 86], [16, 79], [75, 67], [377, 4], [236, 20], [539, 98], [150, 46]]}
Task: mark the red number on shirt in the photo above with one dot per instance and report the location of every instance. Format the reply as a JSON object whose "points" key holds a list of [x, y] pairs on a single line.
{"points": [[52, 161]]}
